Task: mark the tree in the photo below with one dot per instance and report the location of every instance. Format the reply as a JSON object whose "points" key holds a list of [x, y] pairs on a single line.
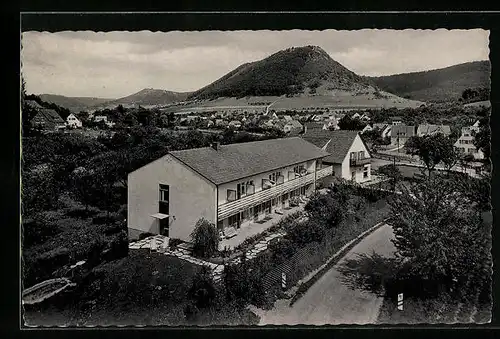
{"points": [[438, 233], [347, 123], [432, 150], [82, 186], [324, 209], [391, 171], [205, 239]]}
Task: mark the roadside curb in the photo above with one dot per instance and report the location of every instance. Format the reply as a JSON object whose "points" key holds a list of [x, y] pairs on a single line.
{"points": [[296, 292]]}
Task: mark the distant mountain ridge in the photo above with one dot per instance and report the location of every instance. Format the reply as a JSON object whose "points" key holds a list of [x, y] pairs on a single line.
{"points": [[147, 96], [296, 70], [151, 96], [439, 85], [74, 104]]}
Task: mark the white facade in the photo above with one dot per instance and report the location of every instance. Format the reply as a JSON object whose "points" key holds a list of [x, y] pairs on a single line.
{"points": [[73, 121], [190, 196], [359, 168], [465, 144]]}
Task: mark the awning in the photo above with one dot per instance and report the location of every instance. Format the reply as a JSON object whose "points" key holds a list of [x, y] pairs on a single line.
{"points": [[160, 216]]}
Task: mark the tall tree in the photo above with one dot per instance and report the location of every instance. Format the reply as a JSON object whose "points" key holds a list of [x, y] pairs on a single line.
{"points": [[438, 232], [432, 150]]}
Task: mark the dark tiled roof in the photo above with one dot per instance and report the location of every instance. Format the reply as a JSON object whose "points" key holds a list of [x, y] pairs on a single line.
{"points": [[237, 161], [49, 115], [407, 131], [33, 104], [430, 129], [337, 142]]}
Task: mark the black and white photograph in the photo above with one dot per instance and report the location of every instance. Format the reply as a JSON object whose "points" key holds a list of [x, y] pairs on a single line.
{"points": [[255, 177]]}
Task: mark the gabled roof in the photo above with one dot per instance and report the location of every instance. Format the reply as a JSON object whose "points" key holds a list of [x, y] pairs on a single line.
{"points": [[287, 118], [337, 143], [237, 161], [381, 126], [50, 115], [404, 129], [430, 129], [294, 124], [33, 104]]}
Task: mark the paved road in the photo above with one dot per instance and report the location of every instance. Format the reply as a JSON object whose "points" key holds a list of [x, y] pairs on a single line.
{"points": [[329, 301]]}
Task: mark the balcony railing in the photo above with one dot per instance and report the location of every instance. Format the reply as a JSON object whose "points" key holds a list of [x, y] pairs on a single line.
{"points": [[359, 162], [324, 172], [229, 208], [232, 207]]}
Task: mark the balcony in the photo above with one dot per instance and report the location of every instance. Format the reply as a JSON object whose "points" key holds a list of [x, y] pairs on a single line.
{"points": [[232, 207], [359, 162], [324, 172]]}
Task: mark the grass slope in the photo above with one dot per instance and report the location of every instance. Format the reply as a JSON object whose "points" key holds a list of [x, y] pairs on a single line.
{"points": [[439, 85], [290, 71]]}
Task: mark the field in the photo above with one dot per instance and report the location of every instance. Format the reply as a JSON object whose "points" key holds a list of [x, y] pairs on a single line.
{"points": [[335, 100]]}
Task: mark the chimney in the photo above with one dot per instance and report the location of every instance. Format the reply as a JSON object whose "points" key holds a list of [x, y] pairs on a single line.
{"points": [[215, 145]]}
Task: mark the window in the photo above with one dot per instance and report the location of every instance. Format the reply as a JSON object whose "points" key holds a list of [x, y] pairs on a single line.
{"points": [[353, 175], [231, 195], [274, 176], [164, 205], [361, 154], [365, 172], [164, 190], [298, 169], [353, 155]]}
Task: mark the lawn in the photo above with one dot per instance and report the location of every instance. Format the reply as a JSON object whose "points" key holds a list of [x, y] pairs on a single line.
{"points": [[141, 289]]}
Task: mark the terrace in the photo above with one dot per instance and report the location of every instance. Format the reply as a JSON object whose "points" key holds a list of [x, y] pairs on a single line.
{"points": [[255, 228]]}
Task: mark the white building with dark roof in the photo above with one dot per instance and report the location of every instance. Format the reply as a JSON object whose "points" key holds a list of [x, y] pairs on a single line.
{"points": [[349, 155], [233, 186], [465, 144]]}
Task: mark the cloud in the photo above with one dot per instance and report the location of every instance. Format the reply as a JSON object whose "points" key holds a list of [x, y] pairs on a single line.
{"points": [[116, 64]]}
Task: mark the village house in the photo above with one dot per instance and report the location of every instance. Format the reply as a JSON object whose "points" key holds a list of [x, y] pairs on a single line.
{"points": [[349, 155], [331, 124], [233, 186], [465, 144], [366, 128], [384, 128], [356, 116], [396, 121], [293, 126], [48, 119], [401, 133], [427, 129], [73, 122], [365, 117], [104, 118], [235, 124], [287, 118]]}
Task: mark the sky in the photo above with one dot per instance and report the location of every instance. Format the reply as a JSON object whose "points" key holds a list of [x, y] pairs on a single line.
{"points": [[117, 64]]}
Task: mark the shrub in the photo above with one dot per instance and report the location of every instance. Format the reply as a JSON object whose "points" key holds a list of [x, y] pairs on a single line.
{"points": [[205, 239], [145, 235], [81, 213], [117, 248], [202, 292], [37, 231], [282, 250], [105, 218], [305, 232], [174, 242], [41, 266], [243, 282]]}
